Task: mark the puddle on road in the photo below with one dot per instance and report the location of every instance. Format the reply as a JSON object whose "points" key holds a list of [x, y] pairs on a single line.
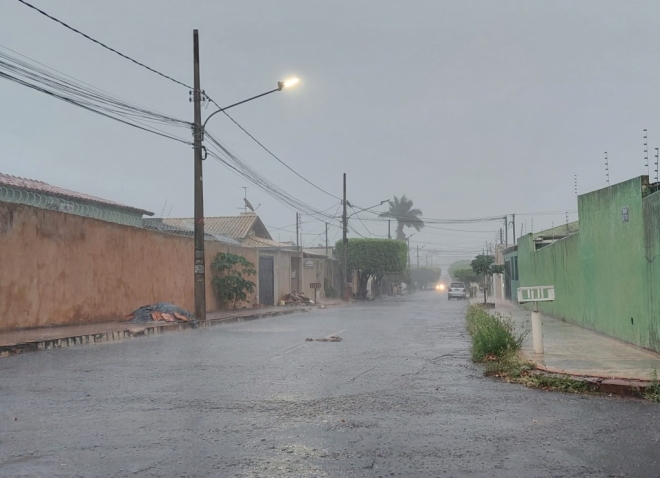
{"points": [[294, 459]]}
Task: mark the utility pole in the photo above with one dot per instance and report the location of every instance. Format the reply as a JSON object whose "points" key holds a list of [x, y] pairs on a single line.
{"points": [[417, 281], [200, 276], [389, 223], [345, 248], [506, 231], [514, 228], [409, 271], [299, 245], [326, 239]]}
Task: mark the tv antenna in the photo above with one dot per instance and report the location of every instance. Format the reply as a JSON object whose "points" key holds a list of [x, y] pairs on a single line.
{"points": [[247, 204]]}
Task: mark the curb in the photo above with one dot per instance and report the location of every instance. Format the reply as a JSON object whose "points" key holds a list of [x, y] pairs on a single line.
{"points": [[616, 386], [131, 331]]}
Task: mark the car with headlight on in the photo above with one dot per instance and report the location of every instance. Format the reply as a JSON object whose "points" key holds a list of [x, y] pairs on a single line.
{"points": [[440, 287], [456, 290]]}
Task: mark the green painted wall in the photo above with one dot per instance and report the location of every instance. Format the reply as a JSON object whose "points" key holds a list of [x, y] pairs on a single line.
{"points": [[605, 277], [508, 257], [651, 209], [556, 265]]}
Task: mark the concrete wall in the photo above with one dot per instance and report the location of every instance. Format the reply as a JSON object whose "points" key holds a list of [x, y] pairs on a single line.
{"points": [[509, 258], [605, 276], [314, 274], [558, 265], [58, 268], [651, 211], [81, 207]]}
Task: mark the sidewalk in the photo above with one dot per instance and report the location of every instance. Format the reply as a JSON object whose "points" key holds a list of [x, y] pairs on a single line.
{"points": [[574, 350], [28, 340]]}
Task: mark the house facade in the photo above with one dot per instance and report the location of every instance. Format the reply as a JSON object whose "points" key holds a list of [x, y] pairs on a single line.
{"points": [[282, 267]]}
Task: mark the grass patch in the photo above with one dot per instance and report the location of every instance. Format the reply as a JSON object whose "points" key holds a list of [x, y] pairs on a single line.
{"points": [[493, 336], [514, 369], [652, 392]]}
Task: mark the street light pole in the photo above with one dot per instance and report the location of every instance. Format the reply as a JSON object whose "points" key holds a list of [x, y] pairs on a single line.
{"points": [[198, 138], [200, 279], [345, 248]]}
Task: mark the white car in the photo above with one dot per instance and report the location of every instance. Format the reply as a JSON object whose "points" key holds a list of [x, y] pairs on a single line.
{"points": [[456, 290]]}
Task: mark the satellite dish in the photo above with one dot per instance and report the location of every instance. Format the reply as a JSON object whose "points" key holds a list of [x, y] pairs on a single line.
{"points": [[248, 205]]}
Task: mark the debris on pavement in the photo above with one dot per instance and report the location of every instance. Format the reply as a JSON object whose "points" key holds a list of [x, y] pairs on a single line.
{"points": [[162, 312], [296, 298], [332, 338]]}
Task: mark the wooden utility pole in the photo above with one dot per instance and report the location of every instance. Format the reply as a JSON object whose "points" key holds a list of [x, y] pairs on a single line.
{"points": [[200, 276], [514, 228], [417, 281], [389, 223], [300, 265], [506, 231], [345, 248]]}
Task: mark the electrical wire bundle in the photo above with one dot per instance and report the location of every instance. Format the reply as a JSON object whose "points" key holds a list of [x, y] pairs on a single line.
{"points": [[226, 157], [68, 89]]}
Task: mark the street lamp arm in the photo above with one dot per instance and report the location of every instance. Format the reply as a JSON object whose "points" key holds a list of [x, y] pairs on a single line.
{"points": [[236, 104]]}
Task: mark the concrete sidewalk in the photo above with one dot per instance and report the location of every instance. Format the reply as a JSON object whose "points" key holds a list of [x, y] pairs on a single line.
{"points": [[27, 340], [574, 350]]}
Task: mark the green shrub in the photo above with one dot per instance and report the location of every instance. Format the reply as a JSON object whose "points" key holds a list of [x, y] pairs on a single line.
{"points": [[492, 335], [230, 278]]}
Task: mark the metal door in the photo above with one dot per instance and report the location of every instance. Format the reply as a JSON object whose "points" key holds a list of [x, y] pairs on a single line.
{"points": [[266, 281]]}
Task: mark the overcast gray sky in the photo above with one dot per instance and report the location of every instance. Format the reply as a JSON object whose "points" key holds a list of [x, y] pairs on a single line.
{"points": [[471, 108]]}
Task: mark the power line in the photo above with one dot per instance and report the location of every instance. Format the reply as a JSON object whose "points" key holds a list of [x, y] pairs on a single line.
{"points": [[104, 45], [270, 152], [54, 84], [360, 219], [240, 167]]}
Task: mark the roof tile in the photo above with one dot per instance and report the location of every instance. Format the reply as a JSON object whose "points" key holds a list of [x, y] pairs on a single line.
{"points": [[236, 227]]}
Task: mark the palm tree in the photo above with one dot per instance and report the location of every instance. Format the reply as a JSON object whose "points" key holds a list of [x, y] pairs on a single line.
{"points": [[402, 210]]}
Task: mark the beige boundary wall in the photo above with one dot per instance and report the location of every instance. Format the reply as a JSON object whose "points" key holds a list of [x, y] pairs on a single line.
{"points": [[58, 268]]}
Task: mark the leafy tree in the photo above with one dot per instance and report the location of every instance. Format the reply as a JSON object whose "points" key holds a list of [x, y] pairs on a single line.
{"points": [[229, 281], [466, 276], [406, 216], [455, 266], [482, 265], [373, 258]]}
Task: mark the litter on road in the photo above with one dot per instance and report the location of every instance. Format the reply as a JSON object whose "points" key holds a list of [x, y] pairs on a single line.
{"points": [[332, 338], [162, 312]]}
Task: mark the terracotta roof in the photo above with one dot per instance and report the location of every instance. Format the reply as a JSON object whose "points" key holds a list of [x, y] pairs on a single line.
{"points": [[46, 189], [257, 242], [236, 227], [157, 224]]}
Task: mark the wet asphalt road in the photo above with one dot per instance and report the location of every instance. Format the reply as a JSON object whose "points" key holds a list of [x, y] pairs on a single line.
{"points": [[397, 397]]}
